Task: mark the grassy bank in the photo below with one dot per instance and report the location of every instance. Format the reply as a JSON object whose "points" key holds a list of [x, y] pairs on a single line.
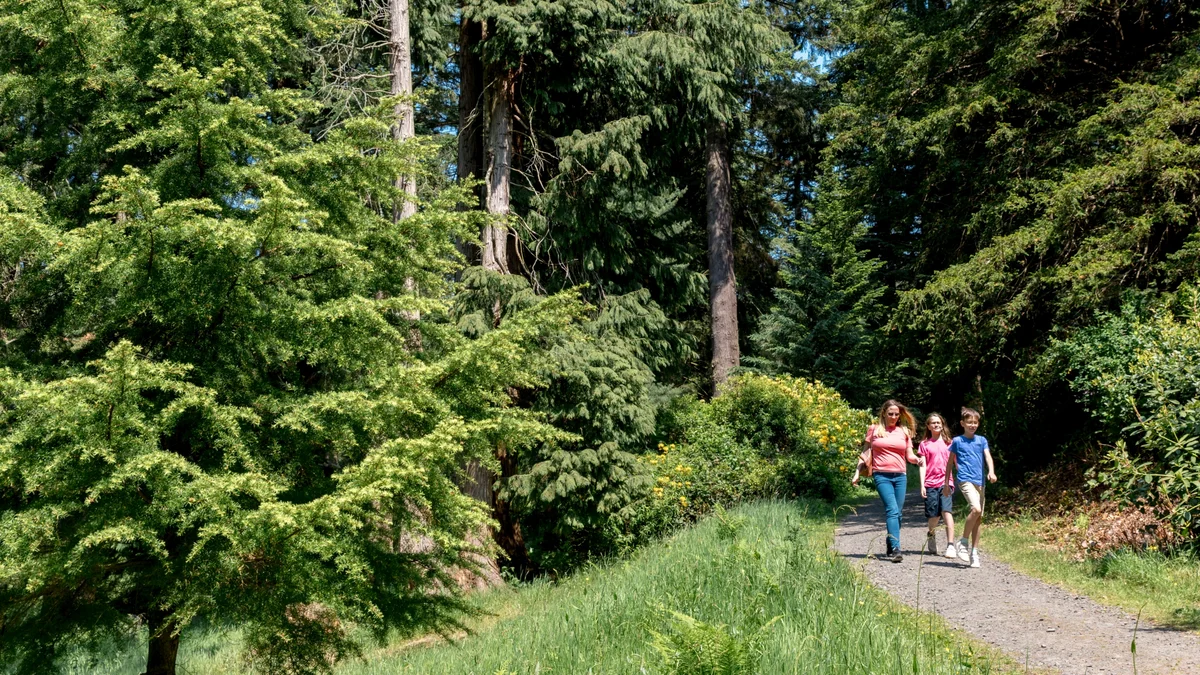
{"points": [[758, 586], [721, 583], [1164, 589]]}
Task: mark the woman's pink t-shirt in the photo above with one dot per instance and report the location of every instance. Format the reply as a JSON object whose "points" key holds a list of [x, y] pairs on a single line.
{"points": [[889, 453], [936, 452]]}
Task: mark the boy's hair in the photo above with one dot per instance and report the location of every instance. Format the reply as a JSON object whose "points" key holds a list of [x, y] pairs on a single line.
{"points": [[945, 435], [969, 414]]}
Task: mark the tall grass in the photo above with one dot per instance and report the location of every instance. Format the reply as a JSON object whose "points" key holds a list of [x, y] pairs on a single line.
{"points": [[756, 590], [761, 579]]}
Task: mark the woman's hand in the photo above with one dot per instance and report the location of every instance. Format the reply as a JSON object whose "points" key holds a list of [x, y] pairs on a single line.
{"points": [[923, 492]]}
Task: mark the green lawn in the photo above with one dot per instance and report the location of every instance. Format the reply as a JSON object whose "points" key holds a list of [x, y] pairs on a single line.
{"points": [[1164, 589], [759, 586]]}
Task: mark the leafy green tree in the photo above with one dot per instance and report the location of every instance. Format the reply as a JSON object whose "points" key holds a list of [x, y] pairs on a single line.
{"points": [[211, 402], [1017, 166], [828, 311]]}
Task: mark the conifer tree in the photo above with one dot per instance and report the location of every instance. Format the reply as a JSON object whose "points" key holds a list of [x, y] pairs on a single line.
{"points": [[208, 403]]}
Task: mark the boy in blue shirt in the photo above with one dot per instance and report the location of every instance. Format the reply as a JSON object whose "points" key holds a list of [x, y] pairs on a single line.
{"points": [[968, 455]]}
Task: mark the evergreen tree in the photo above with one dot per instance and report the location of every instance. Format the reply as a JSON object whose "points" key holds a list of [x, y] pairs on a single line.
{"points": [[1018, 166], [210, 401]]}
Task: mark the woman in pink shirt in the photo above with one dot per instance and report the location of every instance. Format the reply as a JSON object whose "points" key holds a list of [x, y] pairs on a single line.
{"points": [[886, 449]]}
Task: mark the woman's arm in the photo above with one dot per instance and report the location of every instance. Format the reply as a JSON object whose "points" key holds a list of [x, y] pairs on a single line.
{"points": [[912, 456]]}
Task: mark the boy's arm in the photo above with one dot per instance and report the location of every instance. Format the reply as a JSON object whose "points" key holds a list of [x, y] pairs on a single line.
{"points": [[951, 466], [987, 457]]}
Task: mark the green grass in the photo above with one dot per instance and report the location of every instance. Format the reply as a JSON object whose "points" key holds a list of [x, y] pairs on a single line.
{"points": [[714, 589], [1164, 589], [773, 562]]}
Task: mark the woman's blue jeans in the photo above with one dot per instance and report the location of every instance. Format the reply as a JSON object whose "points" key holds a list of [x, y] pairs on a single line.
{"points": [[891, 490]]}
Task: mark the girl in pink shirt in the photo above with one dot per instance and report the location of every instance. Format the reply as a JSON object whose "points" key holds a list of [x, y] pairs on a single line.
{"points": [[935, 450]]}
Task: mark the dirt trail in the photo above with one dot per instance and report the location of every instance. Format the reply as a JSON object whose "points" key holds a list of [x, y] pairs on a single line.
{"points": [[1018, 614]]}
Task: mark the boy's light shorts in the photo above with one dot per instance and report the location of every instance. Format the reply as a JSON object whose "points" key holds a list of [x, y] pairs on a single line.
{"points": [[973, 494]]}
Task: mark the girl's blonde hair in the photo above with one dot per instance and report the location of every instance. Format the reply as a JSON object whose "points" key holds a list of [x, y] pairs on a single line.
{"points": [[905, 422], [945, 432]]}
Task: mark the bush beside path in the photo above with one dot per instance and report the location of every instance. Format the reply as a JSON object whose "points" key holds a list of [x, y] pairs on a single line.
{"points": [[1029, 619]]}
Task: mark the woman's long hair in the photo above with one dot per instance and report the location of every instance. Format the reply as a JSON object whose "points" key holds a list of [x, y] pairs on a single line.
{"points": [[945, 431], [906, 421]]}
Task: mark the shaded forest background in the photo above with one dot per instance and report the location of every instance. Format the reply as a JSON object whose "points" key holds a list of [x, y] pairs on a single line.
{"points": [[312, 303]]}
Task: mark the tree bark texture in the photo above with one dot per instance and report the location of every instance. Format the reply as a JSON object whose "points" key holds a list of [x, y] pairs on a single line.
{"points": [[470, 118], [164, 645], [499, 167], [722, 285], [508, 536], [470, 102], [400, 64]]}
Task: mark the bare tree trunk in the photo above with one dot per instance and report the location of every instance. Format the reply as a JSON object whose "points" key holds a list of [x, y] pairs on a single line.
{"points": [[400, 64], [509, 536], [470, 102], [499, 168], [722, 285], [164, 645], [470, 117]]}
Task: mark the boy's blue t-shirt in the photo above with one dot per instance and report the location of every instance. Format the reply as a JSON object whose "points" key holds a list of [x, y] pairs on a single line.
{"points": [[968, 453]]}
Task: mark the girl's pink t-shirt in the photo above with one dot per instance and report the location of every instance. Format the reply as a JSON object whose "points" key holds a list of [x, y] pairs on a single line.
{"points": [[889, 453], [936, 453]]}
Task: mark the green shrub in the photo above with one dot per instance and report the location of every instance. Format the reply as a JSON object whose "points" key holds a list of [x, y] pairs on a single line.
{"points": [[1138, 374], [763, 436]]}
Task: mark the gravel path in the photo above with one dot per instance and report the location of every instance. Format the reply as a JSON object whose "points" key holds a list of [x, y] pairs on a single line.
{"points": [[1016, 613]]}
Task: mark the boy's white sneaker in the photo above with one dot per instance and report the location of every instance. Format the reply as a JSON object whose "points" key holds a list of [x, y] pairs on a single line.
{"points": [[974, 557], [951, 550], [964, 550]]}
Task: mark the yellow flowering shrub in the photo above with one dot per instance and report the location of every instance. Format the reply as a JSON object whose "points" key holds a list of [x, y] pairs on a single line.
{"points": [[763, 436]]}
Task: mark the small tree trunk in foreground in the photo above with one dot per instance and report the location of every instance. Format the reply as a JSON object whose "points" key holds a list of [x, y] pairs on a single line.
{"points": [[164, 645], [722, 285]]}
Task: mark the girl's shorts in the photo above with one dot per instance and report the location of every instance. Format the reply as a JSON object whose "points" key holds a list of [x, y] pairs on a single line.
{"points": [[936, 504]]}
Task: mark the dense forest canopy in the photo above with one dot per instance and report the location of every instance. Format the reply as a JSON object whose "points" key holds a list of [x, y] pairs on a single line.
{"points": [[320, 305]]}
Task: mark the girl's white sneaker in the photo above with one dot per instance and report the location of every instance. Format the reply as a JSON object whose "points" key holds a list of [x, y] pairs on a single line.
{"points": [[951, 550], [974, 557]]}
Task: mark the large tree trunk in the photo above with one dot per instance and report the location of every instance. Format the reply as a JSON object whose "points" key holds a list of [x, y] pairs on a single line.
{"points": [[403, 128], [722, 285], [499, 168], [400, 64], [470, 99], [470, 117], [508, 535], [164, 645]]}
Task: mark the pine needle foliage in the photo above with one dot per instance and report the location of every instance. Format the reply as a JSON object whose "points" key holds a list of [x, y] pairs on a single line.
{"points": [[1018, 167], [215, 400]]}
